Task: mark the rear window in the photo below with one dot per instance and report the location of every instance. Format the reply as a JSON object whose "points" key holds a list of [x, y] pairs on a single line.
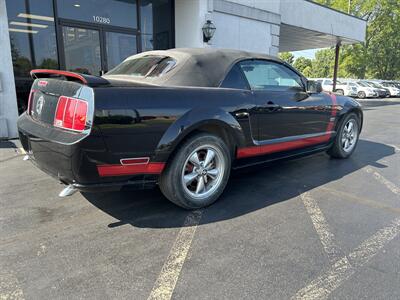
{"points": [[145, 66]]}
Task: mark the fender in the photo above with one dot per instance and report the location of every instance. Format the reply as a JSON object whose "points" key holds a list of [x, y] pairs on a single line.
{"points": [[193, 120], [348, 105]]}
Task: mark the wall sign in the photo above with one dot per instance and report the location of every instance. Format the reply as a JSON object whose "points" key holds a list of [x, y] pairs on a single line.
{"points": [[102, 20]]}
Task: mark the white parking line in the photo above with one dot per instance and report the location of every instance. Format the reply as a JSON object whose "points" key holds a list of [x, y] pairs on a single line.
{"points": [[166, 281], [395, 147], [344, 268], [324, 232], [9, 287], [390, 185]]}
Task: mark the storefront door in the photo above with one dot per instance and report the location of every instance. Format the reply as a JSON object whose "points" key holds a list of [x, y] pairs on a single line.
{"points": [[94, 49]]}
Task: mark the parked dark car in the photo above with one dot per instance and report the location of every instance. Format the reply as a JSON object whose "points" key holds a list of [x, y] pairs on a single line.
{"points": [[182, 119]]}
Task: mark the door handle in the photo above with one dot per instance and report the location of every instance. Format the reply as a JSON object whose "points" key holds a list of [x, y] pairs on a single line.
{"points": [[271, 106]]}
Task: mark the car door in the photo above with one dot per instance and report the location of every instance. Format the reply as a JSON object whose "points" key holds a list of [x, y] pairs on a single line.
{"points": [[284, 111]]}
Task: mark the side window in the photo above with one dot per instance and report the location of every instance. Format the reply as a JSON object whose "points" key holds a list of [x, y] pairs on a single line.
{"points": [[235, 80], [268, 75]]}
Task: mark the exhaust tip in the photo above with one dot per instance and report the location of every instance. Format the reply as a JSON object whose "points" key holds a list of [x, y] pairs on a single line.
{"points": [[69, 190]]}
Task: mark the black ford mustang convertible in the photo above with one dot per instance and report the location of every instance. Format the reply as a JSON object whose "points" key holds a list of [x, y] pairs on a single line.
{"points": [[180, 119]]}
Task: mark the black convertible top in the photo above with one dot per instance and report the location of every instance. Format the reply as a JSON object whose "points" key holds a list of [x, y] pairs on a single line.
{"points": [[198, 67]]}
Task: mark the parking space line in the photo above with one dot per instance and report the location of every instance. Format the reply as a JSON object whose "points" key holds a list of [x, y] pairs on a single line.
{"points": [[390, 185], [166, 281], [344, 268], [395, 147], [9, 287], [322, 228]]}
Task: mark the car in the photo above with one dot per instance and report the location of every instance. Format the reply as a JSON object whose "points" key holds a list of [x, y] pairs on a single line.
{"points": [[392, 87], [346, 89], [342, 88], [365, 91], [382, 92], [326, 83], [180, 119]]}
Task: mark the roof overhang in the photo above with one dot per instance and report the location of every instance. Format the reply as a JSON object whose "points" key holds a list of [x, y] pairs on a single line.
{"points": [[308, 25]]}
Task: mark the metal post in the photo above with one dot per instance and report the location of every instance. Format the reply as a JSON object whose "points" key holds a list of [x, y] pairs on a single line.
{"points": [[335, 69]]}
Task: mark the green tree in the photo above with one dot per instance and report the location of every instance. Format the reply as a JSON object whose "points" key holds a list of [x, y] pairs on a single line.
{"points": [[302, 64], [287, 56], [379, 56]]}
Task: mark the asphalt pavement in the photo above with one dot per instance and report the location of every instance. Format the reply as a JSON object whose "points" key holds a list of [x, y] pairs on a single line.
{"points": [[311, 228]]}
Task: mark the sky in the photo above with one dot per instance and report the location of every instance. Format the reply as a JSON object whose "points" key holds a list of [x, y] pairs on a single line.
{"points": [[305, 53]]}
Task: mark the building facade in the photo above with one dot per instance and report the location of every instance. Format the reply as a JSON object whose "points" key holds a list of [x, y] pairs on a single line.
{"points": [[93, 36]]}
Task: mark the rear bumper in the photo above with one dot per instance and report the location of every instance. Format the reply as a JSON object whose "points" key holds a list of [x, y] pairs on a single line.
{"points": [[82, 160]]}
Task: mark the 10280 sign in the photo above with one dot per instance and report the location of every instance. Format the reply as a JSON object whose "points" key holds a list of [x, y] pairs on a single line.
{"points": [[103, 20]]}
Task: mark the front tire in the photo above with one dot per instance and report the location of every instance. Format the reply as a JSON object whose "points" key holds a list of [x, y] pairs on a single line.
{"points": [[362, 95], [346, 138], [198, 173], [340, 92]]}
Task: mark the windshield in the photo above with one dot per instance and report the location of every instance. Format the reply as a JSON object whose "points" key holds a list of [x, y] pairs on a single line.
{"points": [[363, 84], [145, 66], [374, 84]]}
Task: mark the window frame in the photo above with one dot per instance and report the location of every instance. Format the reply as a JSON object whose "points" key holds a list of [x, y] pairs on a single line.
{"points": [[283, 64]]}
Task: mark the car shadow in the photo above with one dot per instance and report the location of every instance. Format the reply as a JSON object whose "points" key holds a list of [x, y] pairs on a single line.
{"points": [[248, 190]]}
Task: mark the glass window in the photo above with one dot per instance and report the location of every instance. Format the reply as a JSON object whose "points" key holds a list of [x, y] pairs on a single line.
{"points": [[107, 12], [328, 82], [147, 42], [82, 50], [268, 75], [33, 41], [145, 66], [119, 47], [156, 24], [235, 79]]}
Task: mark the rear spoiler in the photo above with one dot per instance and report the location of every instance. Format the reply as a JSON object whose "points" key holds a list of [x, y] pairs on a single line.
{"points": [[89, 80]]}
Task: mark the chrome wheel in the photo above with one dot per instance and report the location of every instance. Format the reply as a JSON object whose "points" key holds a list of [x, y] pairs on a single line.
{"points": [[349, 135], [203, 171]]}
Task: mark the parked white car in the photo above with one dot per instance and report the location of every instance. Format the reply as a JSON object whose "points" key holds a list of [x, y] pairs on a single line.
{"points": [[393, 89], [346, 88], [326, 83], [365, 91], [342, 88]]}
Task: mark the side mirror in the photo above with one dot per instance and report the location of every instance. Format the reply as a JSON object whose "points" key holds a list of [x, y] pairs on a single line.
{"points": [[313, 87]]}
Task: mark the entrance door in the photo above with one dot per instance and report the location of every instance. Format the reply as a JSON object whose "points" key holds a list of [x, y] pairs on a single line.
{"points": [[94, 50]]}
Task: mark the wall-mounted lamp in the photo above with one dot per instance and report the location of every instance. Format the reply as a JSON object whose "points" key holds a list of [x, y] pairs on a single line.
{"points": [[208, 31]]}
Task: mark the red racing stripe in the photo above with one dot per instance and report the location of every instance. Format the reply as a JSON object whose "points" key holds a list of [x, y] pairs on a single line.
{"points": [[122, 170]]}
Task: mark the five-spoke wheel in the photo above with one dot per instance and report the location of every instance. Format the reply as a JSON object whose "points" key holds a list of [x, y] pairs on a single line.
{"points": [[346, 137], [203, 171], [198, 172]]}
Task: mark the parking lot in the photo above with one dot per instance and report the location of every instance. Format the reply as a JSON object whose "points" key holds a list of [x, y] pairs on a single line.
{"points": [[311, 228]]}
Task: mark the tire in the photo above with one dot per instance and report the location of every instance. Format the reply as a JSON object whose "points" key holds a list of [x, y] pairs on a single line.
{"points": [[341, 148], [340, 92], [184, 177], [361, 95]]}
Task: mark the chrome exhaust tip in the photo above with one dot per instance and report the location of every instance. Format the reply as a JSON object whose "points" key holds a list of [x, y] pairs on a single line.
{"points": [[69, 190]]}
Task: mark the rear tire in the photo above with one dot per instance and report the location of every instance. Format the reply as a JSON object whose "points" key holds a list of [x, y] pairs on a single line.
{"points": [[346, 138], [198, 173]]}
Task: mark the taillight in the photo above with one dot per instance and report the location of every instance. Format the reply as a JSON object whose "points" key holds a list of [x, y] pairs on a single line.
{"points": [[30, 99], [71, 113]]}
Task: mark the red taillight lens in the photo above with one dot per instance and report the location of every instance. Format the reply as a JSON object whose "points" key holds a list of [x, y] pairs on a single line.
{"points": [[71, 113], [30, 99]]}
